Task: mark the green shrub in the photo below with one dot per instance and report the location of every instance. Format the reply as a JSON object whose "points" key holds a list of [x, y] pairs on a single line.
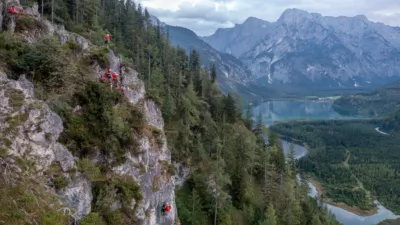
{"points": [[75, 47], [11, 47], [87, 167], [154, 95], [108, 192], [128, 188], [92, 219], [60, 182], [115, 218], [46, 63], [99, 55], [27, 23], [100, 126]]}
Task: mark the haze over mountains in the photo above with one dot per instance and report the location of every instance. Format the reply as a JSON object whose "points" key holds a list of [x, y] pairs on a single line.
{"points": [[302, 51]]}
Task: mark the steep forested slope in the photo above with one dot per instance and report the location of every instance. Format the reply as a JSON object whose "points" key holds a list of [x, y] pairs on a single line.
{"points": [[234, 177]]}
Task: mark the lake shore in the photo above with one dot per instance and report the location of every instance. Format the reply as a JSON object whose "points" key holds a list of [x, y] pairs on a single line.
{"points": [[352, 209]]}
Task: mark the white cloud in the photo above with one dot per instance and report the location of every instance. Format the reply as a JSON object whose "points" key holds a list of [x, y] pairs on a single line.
{"points": [[205, 16]]}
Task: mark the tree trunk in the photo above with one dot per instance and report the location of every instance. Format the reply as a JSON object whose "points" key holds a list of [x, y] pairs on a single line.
{"points": [[149, 71], [42, 6], [52, 11]]}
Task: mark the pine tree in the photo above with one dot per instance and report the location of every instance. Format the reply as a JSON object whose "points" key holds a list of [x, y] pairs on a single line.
{"points": [[315, 220], [230, 109], [213, 73], [270, 217], [292, 161], [249, 116]]}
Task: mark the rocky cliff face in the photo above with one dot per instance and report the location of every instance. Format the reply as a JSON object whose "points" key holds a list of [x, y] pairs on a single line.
{"points": [[239, 39], [30, 130], [151, 169], [309, 49]]}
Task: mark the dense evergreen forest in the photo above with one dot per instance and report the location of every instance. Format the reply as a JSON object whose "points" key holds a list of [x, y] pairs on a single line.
{"points": [[390, 222], [252, 183], [379, 103], [392, 123], [354, 163]]}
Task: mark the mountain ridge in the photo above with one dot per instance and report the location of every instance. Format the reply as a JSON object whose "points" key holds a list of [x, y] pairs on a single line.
{"points": [[311, 50], [232, 74]]}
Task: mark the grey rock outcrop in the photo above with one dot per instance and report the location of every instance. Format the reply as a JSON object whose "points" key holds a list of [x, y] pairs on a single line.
{"points": [[31, 127], [64, 157], [150, 169], [65, 36], [8, 20], [78, 195], [31, 131], [182, 173]]}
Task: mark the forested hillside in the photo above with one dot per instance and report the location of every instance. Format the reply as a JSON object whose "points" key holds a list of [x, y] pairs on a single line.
{"points": [[390, 222], [235, 178], [354, 162], [392, 122], [380, 103]]}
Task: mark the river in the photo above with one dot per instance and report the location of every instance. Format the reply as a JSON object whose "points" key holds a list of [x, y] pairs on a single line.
{"points": [[289, 110]]}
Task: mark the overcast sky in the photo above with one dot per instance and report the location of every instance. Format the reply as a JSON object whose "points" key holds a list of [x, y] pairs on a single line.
{"points": [[205, 16]]}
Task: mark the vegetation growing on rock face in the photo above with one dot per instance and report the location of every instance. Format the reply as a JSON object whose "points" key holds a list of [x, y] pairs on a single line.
{"points": [[16, 98], [238, 178], [25, 200]]}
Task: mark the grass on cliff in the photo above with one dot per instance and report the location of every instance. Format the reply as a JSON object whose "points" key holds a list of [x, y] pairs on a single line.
{"points": [[24, 199]]}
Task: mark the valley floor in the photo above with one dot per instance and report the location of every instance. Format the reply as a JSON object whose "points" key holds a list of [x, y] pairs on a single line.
{"points": [[352, 163], [354, 209]]}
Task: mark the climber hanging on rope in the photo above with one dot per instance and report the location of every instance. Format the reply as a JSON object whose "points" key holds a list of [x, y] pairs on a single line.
{"points": [[108, 73], [102, 77], [166, 208], [114, 80]]}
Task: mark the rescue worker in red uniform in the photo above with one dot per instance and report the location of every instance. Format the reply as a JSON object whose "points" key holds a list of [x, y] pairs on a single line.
{"points": [[12, 10], [106, 39], [166, 208]]}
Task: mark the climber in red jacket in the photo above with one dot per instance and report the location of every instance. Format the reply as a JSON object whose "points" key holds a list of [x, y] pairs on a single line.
{"points": [[114, 80], [166, 209], [108, 73], [12, 10], [106, 39]]}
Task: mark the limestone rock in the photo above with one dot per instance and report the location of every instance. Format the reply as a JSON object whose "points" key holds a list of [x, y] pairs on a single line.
{"points": [[64, 157], [78, 195]]}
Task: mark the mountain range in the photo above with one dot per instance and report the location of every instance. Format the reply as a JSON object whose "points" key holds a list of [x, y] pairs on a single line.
{"points": [[300, 51]]}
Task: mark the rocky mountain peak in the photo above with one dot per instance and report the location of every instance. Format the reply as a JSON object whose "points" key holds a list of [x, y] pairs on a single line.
{"points": [[253, 20], [292, 15], [321, 49]]}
